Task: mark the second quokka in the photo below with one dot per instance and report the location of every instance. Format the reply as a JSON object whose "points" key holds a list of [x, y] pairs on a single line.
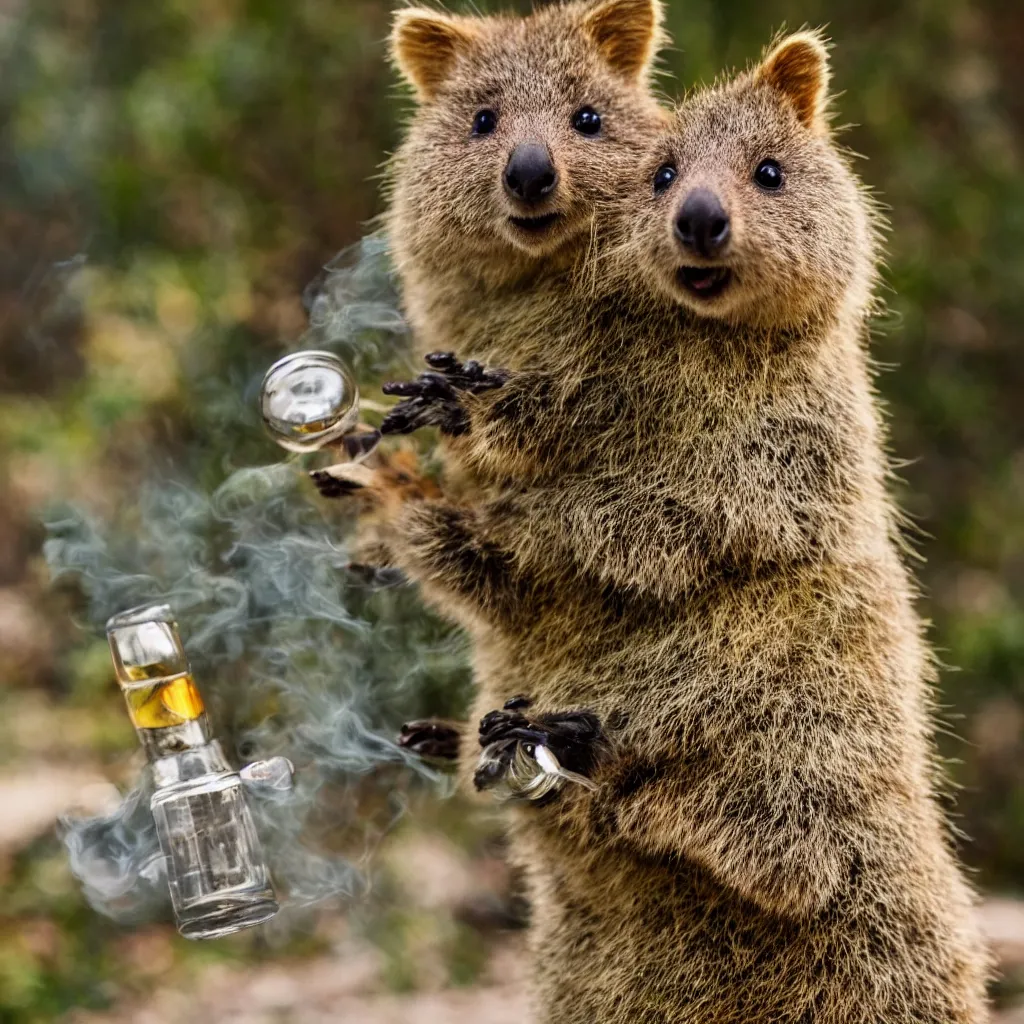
{"points": [[686, 581]]}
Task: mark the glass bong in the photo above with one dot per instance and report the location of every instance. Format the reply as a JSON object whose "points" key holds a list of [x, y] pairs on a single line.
{"points": [[216, 872]]}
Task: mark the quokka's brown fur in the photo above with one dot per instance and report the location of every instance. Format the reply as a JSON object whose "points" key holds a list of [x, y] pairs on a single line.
{"points": [[685, 529]]}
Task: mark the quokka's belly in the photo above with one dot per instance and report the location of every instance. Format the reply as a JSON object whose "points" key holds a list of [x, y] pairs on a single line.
{"points": [[647, 943]]}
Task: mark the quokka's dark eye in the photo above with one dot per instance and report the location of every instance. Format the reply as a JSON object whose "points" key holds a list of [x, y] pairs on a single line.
{"points": [[665, 176], [485, 122], [769, 175], [587, 121]]}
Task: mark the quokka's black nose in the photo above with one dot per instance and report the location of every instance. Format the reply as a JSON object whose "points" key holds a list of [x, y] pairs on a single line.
{"points": [[530, 176], [703, 225]]}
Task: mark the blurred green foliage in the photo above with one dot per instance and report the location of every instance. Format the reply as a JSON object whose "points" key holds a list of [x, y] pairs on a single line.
{"points": [[173, 173]]}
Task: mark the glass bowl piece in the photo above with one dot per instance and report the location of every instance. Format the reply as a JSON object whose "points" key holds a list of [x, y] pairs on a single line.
{"points": [[309, 400]]}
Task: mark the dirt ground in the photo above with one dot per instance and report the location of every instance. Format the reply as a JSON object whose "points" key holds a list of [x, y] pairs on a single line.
{"points": [[341, 989]]}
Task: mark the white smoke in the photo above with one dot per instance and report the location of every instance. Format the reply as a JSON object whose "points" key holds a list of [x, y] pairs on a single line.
{"points": [[294, 655]]}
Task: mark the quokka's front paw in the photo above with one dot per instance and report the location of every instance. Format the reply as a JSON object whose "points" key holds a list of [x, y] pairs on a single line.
{"points": [[526, 756], [396, 480], [435, 398], [432, 738]]}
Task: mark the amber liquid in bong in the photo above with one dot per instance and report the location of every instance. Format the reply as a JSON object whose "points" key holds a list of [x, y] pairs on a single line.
{"points": [[166, 703]]}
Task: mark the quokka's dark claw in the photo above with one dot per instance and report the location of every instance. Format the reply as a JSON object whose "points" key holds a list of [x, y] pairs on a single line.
{"points": [[574, 737], [497, 725], [437, 385], [413, 413], [426, 385], [517, 703], [537, 737], [331, 486], [403, 388], [442, 361], [431, 738], [433, 399]]}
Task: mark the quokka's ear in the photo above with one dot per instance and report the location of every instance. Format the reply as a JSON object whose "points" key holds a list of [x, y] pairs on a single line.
{"points": [[797, 66], [425, 45], [627, 33]]}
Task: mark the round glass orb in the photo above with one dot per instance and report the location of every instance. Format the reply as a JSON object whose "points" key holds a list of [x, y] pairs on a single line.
{"points": [[309, 400]]}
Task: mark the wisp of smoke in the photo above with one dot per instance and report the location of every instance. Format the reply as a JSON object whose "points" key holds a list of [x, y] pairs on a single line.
{"points": [[295, 655]]}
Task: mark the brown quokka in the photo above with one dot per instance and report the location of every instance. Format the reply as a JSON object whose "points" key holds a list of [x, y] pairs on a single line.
{"points": [[523, 128], [685, 579]]}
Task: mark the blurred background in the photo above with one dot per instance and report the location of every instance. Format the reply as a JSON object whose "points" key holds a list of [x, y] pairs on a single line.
{"points": [[172, 176]]}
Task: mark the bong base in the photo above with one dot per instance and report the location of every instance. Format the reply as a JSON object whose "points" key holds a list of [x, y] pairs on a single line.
{"points": [[224, 915]]}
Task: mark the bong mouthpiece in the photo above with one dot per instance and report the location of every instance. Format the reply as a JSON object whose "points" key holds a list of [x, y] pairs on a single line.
{"points": [[309, 400], [216, 872]]}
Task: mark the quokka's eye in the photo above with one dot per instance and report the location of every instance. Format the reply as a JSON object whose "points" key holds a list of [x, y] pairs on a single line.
{"points": [[769, 175], [665, 176], [587, 121], [485, 122]]}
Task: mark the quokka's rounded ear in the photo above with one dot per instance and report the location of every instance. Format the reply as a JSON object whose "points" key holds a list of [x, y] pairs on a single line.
{"points": [[797, 67], [627, 33], [425, 45]]}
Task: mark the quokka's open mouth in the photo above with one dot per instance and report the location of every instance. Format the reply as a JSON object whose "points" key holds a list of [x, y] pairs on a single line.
{"points": [[704, 282], [535, 225]]}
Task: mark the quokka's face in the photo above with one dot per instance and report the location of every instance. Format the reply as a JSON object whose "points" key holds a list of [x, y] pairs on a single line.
{"points": [[530, 126], [745, 210]]}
